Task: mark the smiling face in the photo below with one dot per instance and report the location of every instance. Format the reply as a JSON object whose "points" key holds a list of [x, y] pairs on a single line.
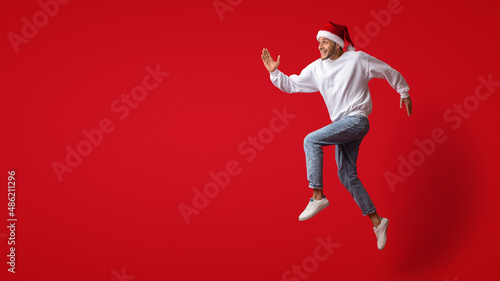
{"points": [[327, 48]]}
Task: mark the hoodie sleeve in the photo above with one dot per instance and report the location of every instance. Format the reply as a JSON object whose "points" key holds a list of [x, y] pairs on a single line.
{"points": [[381, 70], [303, 83]]}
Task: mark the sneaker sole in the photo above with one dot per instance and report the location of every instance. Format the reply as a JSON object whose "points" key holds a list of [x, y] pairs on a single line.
{"points": [[315, 213]]}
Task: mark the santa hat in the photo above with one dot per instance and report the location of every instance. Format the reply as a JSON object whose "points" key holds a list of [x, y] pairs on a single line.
{"points": [[336, 33]]}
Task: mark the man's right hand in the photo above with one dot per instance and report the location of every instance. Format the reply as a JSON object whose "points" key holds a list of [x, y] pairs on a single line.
{"points": [[268, 61]]}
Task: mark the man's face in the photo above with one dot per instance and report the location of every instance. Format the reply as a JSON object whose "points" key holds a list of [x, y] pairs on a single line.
{"points": [[326, 48]]}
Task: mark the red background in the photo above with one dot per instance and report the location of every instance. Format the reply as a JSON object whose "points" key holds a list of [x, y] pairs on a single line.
{"points": [[119, 209]]}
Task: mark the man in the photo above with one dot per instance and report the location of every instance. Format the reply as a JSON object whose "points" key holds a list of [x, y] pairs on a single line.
{"points": [[342, 79]]}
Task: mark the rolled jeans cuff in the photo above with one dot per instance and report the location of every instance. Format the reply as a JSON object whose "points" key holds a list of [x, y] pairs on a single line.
{"points": [[317, 187], [371, 211]]}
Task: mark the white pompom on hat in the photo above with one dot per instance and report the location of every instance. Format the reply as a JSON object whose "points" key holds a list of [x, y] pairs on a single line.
{"points": [[336, 33]]}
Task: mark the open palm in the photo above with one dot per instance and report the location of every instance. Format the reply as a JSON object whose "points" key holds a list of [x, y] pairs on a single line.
{"points": [[268, 61]]}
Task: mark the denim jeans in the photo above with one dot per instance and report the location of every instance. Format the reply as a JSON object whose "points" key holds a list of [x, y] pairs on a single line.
{"points": [[346, 135]]}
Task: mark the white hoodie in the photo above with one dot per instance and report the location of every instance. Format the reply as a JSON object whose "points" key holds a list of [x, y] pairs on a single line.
{"points": [[343, 82]]}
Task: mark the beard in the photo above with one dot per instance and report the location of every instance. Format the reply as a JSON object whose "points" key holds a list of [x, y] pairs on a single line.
{"points": [[328, 54]]}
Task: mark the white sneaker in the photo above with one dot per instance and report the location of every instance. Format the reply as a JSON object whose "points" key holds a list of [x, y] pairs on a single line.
{"points": [[381, 233], [314, 207]]}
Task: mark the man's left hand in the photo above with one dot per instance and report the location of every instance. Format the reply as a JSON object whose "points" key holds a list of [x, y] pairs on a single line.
{"points": [[407, 102]]}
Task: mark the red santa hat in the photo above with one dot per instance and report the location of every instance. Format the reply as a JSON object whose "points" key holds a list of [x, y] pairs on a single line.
{"points": [[336, 33]]}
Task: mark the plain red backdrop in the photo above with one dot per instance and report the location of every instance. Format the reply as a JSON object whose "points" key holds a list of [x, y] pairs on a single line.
{"points": [[117, 216]]}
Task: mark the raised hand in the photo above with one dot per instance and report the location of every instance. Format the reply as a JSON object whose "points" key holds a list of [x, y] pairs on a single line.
{"points": [[268, 61]]}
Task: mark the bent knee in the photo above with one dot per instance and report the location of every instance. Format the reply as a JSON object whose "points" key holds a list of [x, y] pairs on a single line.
{"points": [[348, 180], [310, 140]]}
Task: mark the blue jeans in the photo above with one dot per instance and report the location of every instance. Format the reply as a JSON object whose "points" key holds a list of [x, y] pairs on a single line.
{"points": [[346, 135]]}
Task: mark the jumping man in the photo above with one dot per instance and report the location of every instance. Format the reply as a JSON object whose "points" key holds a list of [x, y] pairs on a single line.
{"points": [[342, 79]]}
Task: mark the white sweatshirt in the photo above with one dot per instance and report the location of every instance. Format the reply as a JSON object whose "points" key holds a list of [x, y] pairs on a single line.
{"points": [[343, 82]]}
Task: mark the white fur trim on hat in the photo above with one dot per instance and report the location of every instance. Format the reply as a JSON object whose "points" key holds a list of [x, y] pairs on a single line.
{"points": [[331, 36]]}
